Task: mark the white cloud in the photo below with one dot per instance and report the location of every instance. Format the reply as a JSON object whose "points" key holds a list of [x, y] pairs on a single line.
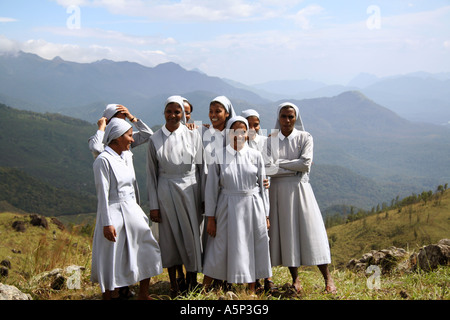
{"points": [[302, 17], [191, 10], [6, 19]]}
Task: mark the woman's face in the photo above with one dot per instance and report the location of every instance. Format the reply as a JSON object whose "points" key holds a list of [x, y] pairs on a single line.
{"points": [[287, 120], [187, 111], [218, 115], [238, 135], [254, 126], [173, 114], [124, 141]]}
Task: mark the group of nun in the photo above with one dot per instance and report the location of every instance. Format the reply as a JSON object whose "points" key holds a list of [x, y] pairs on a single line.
{"points": [[209, 195]]}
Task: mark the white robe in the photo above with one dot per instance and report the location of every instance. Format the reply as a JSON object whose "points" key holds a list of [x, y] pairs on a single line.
{"points": [[135, 255], [235, 196], [297, 232], [175, 168]]}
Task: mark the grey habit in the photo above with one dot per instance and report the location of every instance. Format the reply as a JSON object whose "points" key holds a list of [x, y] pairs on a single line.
{"points": [[135, 255], [236, 197], [174, 174], [297, 232]]}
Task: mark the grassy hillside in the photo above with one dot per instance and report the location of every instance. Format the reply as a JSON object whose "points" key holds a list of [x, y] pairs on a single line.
{"points": [[409, 227], [37, 250]]}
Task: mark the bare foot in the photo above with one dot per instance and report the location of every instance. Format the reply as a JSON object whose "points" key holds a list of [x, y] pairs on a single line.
{"points": [[330, 287]]}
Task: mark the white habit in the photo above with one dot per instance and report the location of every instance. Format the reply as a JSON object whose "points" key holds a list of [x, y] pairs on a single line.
{"points": [[235, 196], [135, 255], [175, 169], [297, 232]]}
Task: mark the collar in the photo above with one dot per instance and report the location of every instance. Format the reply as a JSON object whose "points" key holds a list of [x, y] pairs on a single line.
{"points": [[115, 154], [167, 132], [290, 137], [231, 150]]}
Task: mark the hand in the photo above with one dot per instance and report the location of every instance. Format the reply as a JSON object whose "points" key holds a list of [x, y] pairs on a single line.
{"points": [[101, 124], [268, 223], [191, 126], [155, 215], [266, 183], [122, 109], [110, 233], [211, 226]]}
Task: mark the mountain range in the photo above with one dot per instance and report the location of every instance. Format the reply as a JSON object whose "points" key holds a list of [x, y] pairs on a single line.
{"points": [[365, 153]]}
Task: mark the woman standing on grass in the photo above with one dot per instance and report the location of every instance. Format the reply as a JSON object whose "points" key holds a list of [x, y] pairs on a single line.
{"points": [[297, 233], [174, 171], [237, 209], [124, 250]]}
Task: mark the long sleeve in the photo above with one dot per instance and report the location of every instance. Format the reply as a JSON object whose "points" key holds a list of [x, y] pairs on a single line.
{"points": [[96, 143], [303, 163], [143, 135], [212, 189], [102, 184], [152, 176]]}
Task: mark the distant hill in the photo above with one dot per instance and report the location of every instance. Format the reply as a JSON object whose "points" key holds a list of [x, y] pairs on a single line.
{"points": [[29, 194], [55, 85], [418, 97], [48, 161]]}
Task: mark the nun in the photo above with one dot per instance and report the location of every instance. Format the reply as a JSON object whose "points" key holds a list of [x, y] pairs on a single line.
{"points": [[141, 136], [297, 231], [124, 250], [174, 173], [237, 210], [220, 111], [255, 139]]}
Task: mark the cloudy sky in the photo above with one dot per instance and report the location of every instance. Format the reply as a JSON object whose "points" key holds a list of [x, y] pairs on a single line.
{"points": [[244, 40]]}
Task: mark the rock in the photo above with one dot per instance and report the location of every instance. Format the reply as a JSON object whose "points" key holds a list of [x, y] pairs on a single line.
{"points": [[429, 257], [38, 221], [4, 271], [58, 223], [6, 263], [394, 259], [19, 226], [387, 259], [12, 293], [58, 278]]}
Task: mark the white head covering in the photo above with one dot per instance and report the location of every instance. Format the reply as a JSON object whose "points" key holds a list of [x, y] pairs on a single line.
{"points": [[227, 104], [110, 111], [298, 122], [250, 113], [236, 119], [180, 101], [115, 129]]}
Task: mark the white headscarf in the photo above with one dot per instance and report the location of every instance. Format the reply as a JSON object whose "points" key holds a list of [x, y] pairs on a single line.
{"points": [[236, 119], [298, 122], [110, 111], [115, 129], [180, 101], [227, 105], [250, 113]]}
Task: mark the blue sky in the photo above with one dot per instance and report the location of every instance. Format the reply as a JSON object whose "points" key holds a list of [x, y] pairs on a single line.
{"points": [[243, 40]]}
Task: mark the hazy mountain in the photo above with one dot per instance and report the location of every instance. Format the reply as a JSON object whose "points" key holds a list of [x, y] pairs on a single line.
{"points": [[418, 96], [54, 85]]}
